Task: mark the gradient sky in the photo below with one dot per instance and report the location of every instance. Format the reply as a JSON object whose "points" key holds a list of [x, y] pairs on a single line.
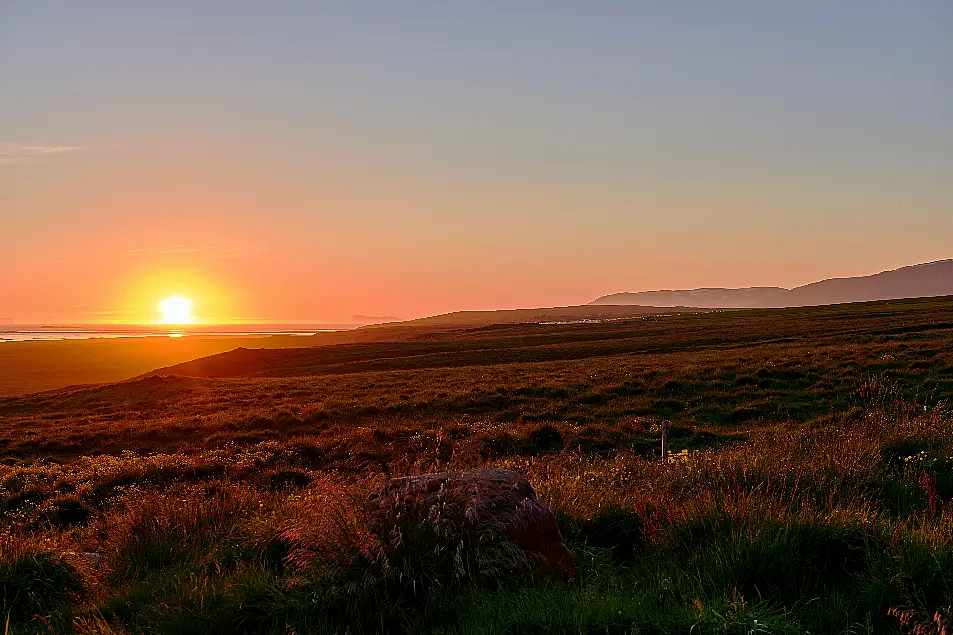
{"points": [[309, 161]]}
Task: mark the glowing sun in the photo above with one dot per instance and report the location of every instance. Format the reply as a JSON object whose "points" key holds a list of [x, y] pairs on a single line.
{"points": [[176, 309]]}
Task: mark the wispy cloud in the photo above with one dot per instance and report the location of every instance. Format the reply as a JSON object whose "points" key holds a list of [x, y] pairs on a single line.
{"points": [[31, 153]]}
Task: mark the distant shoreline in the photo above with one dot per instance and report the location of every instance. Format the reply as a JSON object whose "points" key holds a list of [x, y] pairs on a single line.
{"points": [[32, 333]]}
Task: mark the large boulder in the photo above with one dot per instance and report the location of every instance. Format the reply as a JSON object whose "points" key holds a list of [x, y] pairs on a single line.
{"points": [[500, 501]]}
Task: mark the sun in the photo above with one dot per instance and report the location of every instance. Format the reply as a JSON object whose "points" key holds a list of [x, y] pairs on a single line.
{"points": [[176, 309]]}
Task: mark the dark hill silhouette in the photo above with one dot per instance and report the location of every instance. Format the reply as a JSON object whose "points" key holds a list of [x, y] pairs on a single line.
{"points": [[468, 319], [917, 281], [455, 339], [697, 333]]}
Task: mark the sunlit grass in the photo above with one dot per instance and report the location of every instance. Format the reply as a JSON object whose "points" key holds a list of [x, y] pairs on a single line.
{"points": [[730, 538], [803, 493]]}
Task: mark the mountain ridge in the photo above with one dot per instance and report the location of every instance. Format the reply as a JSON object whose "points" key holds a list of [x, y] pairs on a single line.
{"points": [[930, 279]]}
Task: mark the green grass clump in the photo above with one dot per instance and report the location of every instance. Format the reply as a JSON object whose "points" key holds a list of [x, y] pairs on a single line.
{"points": [[37, 577]]}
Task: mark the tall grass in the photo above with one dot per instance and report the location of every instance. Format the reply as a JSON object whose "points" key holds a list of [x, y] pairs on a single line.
{"points": [[844, 526], [39, 576]]}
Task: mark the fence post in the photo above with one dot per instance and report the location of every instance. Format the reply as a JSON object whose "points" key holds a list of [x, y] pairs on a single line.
{"points": [[664, 440]]}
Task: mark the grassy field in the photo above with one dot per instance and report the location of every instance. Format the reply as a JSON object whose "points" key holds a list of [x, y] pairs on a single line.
{"points": [[225, 495], [33, 366]]}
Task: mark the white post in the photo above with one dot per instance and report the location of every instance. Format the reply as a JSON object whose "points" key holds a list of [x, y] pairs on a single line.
{"points": [[664, 440]]}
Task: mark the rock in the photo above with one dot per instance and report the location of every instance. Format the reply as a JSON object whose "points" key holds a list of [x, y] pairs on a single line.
{"points": [[501, 499]]}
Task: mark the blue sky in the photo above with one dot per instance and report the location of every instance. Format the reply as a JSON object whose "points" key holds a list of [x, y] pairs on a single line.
{"points": [[430, 156]]}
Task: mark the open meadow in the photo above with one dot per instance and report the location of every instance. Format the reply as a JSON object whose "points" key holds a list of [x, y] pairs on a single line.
{"points": [[811, 489], [32, 366]]}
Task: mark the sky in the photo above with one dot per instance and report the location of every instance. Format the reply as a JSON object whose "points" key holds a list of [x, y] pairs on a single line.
{"points": [[310, 161]]}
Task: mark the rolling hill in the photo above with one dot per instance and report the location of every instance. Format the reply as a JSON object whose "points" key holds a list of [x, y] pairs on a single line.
{"points": [[470, 319], [528, 343]]}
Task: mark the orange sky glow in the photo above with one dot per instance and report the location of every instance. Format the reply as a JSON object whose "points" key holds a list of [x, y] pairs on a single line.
{"points": [[310, 164]]}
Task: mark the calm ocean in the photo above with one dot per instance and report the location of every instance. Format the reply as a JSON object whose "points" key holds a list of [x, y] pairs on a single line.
{"points": [[22, 333]]}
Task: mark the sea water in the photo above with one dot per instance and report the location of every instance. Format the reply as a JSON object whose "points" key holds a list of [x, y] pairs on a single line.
{"points": [[22, 333]]}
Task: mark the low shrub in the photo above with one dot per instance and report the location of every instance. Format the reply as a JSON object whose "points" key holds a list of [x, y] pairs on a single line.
{"points": [[288, 479], [618, 530], [546, 439], [66, 511]]}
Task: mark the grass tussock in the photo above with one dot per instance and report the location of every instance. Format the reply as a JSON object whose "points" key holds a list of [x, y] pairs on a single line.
{"points": [[40, 575]]}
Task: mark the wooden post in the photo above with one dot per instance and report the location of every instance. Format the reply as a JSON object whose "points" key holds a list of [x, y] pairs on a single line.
{"points": [[664, 440]]}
